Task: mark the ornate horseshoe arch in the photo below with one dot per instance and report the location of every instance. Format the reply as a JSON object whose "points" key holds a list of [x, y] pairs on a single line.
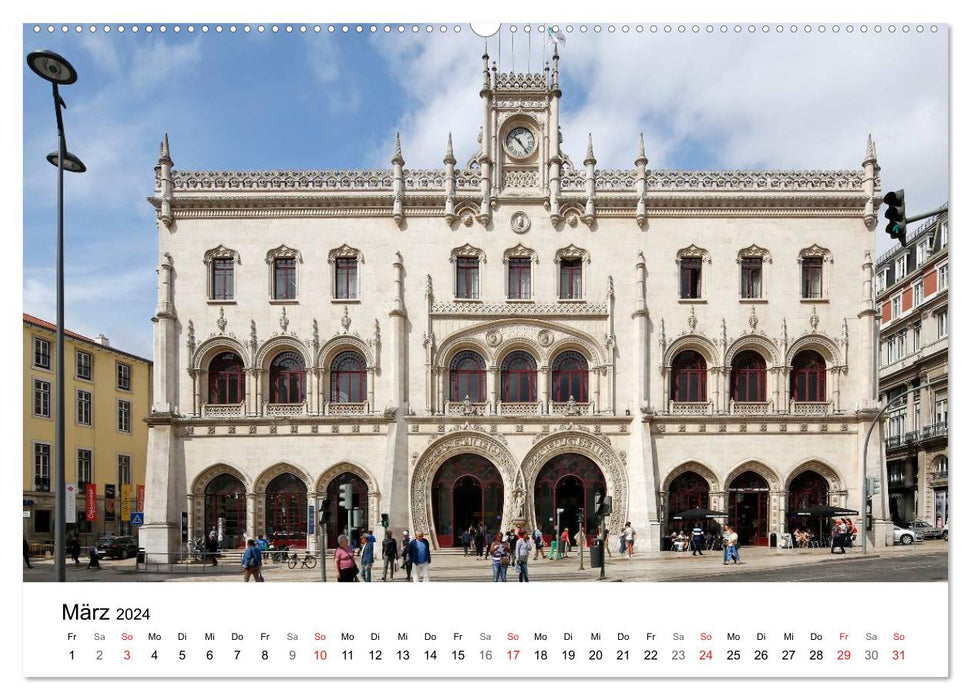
{"points": [[446, 447], [589, 445]]}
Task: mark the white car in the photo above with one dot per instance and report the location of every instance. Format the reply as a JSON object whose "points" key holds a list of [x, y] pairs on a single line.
{"points": [[902, 535], [944, 531]]}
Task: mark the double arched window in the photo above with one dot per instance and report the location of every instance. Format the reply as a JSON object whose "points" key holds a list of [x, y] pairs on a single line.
{"points": [[748, 377], [570, 377], [348, 378], [288, 378], [467, 377], [518, 377], [227, 379], [807, 382], [689, 377]]}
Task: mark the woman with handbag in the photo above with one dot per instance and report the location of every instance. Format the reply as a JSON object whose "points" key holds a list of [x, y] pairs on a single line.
{"points": [[344, 561], [500, 558]]}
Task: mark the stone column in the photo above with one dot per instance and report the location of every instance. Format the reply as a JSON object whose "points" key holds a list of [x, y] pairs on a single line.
{"points": [[253, 527], [543, 377], [492, 385]]}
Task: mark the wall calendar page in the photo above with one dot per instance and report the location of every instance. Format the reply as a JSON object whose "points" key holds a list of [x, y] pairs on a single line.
{"points": [[630, 338]]}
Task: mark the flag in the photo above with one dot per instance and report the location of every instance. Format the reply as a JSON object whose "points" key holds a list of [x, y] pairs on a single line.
{"points": [[555, 37], [91, 502], [109, 503], [125, 503]]}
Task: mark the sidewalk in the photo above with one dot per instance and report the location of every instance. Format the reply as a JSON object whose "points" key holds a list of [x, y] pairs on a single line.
{"points": [[451, 565]]}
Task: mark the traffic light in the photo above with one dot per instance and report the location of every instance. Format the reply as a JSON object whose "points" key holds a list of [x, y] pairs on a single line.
{"points": [[896, 215], [385, 520], [580, 516], [324, 511], [346, 497], [598, 502]]}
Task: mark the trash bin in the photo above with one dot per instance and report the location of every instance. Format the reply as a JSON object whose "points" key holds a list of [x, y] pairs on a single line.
{"points": [[773, 539], [597, 554], [140, 557]]}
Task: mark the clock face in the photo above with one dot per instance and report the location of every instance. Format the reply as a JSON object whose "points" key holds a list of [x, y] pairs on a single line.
{"points": [[520, 142]]}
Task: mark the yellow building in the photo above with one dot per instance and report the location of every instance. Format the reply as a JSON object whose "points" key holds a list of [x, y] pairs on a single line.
{"points": [[107, 398]]}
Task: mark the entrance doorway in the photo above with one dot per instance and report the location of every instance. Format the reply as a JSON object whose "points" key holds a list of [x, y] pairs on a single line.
{"points": [[466, 492], [568, 482], [338, 520], [225, 511], [748, 507], [286, 512]]}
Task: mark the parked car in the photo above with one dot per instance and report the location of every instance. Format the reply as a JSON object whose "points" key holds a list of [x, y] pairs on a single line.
{"points": [[902, 535], [926, 529], [117, 547]]}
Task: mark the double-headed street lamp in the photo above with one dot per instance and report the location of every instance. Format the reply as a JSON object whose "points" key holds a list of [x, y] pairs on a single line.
{"points": [[58, 71]]}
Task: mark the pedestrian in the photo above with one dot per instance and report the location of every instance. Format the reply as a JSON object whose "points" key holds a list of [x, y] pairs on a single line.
{"points": [[522, 556], [565, 542], [851, 533], [212, 546], [629, 539], [367, 558], [606, 539], [500, 558], [420, 554], [27, 554], [838, 533], [252, 562], [344, 561], [480, 542], [697, 540], [730, 538], [389, 552], [76, 550], [466, 541], [538, 542], [94, 561], [406, 554]]}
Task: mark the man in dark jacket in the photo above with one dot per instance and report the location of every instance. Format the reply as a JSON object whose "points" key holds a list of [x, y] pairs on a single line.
{"points": [[389, 550], [405, 554]]}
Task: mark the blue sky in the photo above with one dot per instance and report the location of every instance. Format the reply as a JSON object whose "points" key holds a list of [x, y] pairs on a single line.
{"points": [[300, 101]]}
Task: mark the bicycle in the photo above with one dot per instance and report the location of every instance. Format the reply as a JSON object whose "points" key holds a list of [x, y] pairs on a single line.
{"points": [[308, 561]]}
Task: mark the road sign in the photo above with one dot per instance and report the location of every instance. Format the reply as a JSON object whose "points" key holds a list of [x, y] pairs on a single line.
{"points": [[137, 518]]}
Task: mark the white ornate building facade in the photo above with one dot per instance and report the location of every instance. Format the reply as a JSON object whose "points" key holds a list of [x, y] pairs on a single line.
{"points": [[506, 339]]}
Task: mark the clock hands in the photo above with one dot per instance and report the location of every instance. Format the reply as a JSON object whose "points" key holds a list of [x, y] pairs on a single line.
{"points": [[525, 147]]}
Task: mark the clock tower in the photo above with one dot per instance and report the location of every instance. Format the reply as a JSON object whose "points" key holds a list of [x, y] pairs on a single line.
{"points": [[520, 158]]}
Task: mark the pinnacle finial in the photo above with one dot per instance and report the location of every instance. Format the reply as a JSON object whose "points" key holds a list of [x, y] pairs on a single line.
{"points": [[397, 158], [449, 156], [641, 155], [163, 151], [590, 159], [871, 150]]}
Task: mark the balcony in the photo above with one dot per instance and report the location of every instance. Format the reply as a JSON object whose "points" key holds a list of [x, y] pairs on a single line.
{"points": [[935, 431], [284, 409], [517, 408], [571, 408], [346, 409], [466, 408], [690, 408], [227, 410], [810, 408], [911, 437], [750, 408], [893, 442], [939, 478]]}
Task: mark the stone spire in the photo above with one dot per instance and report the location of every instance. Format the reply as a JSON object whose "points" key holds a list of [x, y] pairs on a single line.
{"points": [[871, 187], [398, 162], [449, 161], [641, 184], [589, 212], [163, 174]]}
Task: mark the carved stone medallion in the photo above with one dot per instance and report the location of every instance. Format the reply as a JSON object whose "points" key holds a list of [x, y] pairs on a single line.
{"points": [[520, 222]]}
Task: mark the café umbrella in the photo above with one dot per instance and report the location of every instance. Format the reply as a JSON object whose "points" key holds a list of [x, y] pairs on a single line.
{"points": [[822, 511]]}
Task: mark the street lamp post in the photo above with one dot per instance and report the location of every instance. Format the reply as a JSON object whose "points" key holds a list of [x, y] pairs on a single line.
{"points": [[866, 445], [58, 71]]}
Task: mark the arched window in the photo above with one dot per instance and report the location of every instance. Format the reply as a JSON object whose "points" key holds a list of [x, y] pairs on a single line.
{"points": [[288, 378], [689, 377], [467, 377], [348, 378], [570, 377], [227, 380], [808, 379], [748, 377], [518, 377]]}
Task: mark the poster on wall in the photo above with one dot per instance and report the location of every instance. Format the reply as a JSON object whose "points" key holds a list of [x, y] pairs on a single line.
{"points": [[109, 503]]}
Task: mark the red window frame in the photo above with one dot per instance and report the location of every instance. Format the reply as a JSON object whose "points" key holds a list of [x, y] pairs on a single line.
{"points": [[285, 278], [520, 270], [748, 377], [467, 367], [345, 278], [222, 278], [751, 278], [519, 373], [227, 379], [808, 377], [812, 278], [690, 278], [569, 370], [348, 378], [689, 377], [571, 279], [467, 278], [288, 378]]}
